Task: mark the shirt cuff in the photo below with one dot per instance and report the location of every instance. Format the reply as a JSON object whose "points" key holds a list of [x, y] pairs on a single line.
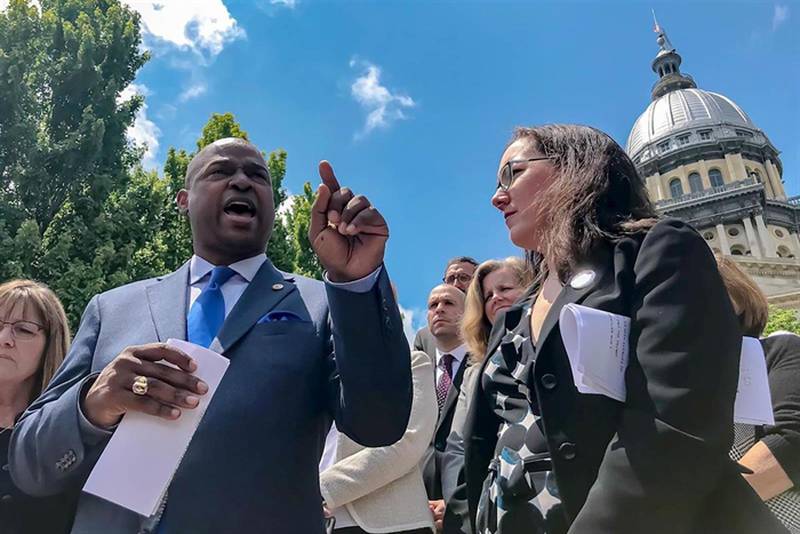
{"points": [[91, 433], [362, 285]]}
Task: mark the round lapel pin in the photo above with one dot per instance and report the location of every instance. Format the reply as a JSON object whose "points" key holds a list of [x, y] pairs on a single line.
{"points": [[582, 279], [277, 287]]}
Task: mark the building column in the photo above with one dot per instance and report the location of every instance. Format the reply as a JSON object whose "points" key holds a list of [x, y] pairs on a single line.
{"points": [[704, 174], [766, 239], [654, 187], [684, 179], [797, 245], [738, 163], [755, 248], [724, 246], [766, 181], [731, 170], [775, 180]]}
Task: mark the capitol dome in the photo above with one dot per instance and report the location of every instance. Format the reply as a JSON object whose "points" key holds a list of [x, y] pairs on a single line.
{"points": [[687, 111]]}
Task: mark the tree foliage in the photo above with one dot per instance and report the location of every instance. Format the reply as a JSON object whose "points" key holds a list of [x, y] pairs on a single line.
{"points": [[77, 211], [781, 319]]}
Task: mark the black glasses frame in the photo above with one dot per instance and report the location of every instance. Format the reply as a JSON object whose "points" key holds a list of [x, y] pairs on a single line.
{"points": [[507, 176]]}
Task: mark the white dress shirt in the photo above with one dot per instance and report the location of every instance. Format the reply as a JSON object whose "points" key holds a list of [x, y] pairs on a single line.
{"points": [[458, 353], [200, 274]]}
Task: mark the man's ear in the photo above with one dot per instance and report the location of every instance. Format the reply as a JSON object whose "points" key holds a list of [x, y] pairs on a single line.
{"points": [[182, 200]]}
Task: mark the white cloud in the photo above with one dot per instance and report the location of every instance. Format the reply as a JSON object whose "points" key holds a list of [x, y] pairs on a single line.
{"points": [[193, 91], [383, 107], [410, 317], [779, 16], [143, 132], [197, 25], [286, 206], [291, 4]]}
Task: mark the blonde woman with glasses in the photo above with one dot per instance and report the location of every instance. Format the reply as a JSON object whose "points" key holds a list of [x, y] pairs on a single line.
{"points": [[34, 337]]}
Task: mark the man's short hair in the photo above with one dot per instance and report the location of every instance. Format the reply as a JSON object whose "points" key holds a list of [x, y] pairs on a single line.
{"points": [[461, 259]]}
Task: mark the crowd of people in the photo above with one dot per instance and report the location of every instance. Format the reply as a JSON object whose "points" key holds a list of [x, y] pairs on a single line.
{"points": [[327, 420]]}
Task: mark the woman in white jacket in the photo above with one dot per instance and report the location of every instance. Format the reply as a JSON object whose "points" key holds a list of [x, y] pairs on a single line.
{"points": [[380, 489]]}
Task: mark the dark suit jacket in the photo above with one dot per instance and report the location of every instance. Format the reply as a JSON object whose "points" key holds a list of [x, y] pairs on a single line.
{"points": [[431, 463], [657, 463], [252, 465]]}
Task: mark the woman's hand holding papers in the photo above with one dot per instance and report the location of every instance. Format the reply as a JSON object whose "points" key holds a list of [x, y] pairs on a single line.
{"points": [[169, 389]]}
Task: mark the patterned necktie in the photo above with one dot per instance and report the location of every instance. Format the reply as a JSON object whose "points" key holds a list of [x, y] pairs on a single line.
{"points": [[445, 380], [208, 311]]}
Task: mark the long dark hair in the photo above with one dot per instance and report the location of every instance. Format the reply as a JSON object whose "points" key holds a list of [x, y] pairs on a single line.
{"points": [[595, 197]]}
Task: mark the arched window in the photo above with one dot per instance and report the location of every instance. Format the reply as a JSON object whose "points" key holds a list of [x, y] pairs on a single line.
{"points": [[675, 188], [715, 177], [737, 250], [783, 252], [695, 183], [756, 175]]}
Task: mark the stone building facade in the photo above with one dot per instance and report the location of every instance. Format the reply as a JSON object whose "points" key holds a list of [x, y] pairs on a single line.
{"points": [[706, 162]]}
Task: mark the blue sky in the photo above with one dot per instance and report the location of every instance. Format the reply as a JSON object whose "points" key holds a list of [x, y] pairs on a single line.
{"points": [[413, 101]]}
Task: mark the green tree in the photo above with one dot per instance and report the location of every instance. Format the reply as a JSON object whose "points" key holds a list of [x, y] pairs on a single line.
{"points": [[63, 150], [77, 211], [782, 319], [299, 218], [220, 126]]}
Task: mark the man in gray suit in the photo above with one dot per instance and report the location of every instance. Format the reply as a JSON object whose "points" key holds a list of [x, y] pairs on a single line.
{"points": [[252, 464], [450, 359], [458, 272]]}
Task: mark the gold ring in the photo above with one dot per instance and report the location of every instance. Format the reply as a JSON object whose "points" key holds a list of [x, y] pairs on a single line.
{"points": [[140, 385]]}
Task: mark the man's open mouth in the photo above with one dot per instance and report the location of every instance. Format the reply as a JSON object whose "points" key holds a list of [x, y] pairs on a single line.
{"points": [[240, 208]]}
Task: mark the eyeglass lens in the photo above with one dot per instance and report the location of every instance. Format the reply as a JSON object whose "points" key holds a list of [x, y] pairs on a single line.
{"points": [[21, 329]]}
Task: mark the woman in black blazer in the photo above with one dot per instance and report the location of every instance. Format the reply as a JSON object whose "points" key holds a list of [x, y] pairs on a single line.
{"points": [[541, 457]]}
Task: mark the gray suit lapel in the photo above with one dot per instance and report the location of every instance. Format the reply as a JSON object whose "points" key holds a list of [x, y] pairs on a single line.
{"points": [[261, 296], [167, 298]]}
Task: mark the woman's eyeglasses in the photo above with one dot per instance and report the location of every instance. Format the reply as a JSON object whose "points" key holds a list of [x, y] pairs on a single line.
{"points": [[22, 330], [506, 176]]}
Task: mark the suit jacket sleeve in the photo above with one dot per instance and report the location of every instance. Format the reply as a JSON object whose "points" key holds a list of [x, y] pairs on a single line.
{"points": [[53, 448], [370, 469], [783, 439], [670, 450], [369, 390], [453, 457]]}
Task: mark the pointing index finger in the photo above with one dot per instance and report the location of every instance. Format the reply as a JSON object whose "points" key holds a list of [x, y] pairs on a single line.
{"points": [[328, 178]]}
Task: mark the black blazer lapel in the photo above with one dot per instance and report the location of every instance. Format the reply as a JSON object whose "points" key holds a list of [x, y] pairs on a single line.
{"points": [[267, 289], [568, 295], [167, 298]]}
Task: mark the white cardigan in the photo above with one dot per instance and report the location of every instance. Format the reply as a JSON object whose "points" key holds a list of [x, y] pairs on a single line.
{"points": [[382, 487]]}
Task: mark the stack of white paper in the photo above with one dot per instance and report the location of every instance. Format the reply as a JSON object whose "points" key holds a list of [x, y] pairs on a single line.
{"points": [[597, 347], [753, 400], [142, 456]]}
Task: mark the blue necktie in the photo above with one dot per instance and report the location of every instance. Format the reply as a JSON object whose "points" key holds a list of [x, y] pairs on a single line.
{"points": [[202, 326], [208, 311]]}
